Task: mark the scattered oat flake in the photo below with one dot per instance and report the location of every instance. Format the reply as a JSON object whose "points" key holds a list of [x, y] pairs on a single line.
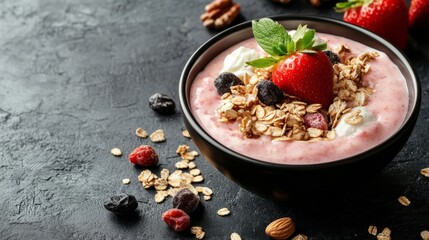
{"points": [[141, 133], [404, 201], [195, 171], [116, 152], [182, 164], [384, 235], [425, 172], [223, 212], [300, 237], [207, 197], [235, 236], [207, 191], [186, 134], [425, 235], [196, 229], [192, 165], [198, 179], [160, 196], [372, 230], [157, 136], [198, 232], [126, 181]]}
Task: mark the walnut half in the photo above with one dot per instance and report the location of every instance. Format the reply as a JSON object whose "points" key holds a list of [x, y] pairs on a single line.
{"points": [[220, 13]]}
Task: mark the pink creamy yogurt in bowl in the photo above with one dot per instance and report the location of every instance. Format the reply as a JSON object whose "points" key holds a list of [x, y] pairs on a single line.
{"points": [[388, 106], [292, 169]]}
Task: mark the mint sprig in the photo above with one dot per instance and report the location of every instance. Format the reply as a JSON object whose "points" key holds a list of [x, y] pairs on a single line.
{"points": [[273, 38]]}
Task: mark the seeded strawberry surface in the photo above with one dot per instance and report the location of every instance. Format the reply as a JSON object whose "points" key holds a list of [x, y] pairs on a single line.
{"points": [[419, 14], [308, 76], [387, 18]]}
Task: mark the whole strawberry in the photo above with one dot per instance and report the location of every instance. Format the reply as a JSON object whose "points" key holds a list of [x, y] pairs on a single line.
{"points": [[144, 156], [300, 68], [419, 14], [387, 18]]}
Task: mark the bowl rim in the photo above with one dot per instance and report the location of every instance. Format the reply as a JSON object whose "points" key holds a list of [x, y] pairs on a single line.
{"points": [[300, 167]]}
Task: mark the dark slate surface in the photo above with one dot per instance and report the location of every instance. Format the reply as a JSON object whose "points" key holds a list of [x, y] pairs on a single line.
{"points": [[75, 77]]}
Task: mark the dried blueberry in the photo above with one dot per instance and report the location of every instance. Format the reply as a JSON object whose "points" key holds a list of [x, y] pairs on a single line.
{"points": [[333, 57], [225, 81], [186, 200], [269, 93], [121, 204], [161, 103]]}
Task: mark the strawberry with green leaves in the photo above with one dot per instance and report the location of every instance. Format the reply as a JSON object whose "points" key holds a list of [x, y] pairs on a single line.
{"points": [[387, 18], [300, 68]]}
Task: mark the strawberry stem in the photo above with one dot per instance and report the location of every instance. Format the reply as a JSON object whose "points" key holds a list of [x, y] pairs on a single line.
{"points": [[344, 6]]}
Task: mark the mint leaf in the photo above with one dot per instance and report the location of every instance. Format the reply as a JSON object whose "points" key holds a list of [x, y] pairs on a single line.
{"points": [[308, 38], [320, 47], [276, 41], [299, 34], [269, 34], [263, 62]]}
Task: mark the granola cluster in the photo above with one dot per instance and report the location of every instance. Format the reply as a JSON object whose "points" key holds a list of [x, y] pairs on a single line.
{"points": [[285, 121], [168, 184]]}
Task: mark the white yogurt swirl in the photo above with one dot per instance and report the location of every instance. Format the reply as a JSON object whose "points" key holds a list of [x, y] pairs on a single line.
{"points": [[236, 62], [345, 129]]}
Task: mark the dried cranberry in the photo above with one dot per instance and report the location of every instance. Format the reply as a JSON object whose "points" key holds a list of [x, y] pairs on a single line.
{"points": [[162, 103], [144, 155], [225, 81], [316, 120], [186, 200], [269, 93], [121, 204], [177, 219]]}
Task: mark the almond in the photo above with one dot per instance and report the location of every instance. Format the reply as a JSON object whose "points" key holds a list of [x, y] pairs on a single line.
{"points": [[281, 228]]}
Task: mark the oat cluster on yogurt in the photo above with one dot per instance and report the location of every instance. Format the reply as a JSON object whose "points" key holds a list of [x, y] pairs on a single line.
{"points": [[287, 120]]}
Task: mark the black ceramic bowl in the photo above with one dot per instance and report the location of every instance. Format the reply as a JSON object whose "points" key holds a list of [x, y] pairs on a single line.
{"points": [[282, 181]]}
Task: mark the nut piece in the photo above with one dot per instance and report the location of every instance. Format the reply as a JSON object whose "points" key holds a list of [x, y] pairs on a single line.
{"points": [[220, 13], [281, 228]]}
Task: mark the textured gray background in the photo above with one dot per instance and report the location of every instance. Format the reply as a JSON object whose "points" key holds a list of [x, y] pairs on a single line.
{"points": [[75, 77]]}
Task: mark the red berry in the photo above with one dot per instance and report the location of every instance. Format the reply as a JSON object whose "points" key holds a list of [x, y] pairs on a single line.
{"points": [[316, 120], [144, 156], [176, 219], [307, 76], [419, 14], [387, 18]]}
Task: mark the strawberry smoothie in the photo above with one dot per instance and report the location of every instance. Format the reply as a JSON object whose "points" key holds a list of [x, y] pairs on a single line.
{"points": [[384, 113]]}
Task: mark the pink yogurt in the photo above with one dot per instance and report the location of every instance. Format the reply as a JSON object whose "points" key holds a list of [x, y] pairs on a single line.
{"points": [[388, 104]]}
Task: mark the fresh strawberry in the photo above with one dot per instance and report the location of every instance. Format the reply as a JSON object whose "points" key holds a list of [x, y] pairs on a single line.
{"points": [[419, 14], [300, 68], [387, 18], [308, 76]]}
